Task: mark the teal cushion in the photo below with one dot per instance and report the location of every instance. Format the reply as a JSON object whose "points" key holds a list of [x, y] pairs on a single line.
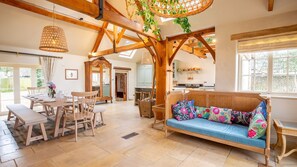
{"points": [[236, 133]]}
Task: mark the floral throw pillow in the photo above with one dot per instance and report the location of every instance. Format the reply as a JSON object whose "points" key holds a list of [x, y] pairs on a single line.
{"points": [[222, 115], [182, 111], [188, 103], [239, 117], [257, 126], [262, 108], [202, 112]]}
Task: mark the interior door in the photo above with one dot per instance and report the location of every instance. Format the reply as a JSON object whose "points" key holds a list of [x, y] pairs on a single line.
{"points": [[124, 81]]}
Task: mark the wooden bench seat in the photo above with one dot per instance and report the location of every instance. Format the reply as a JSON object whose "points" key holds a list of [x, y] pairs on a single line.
{"points": [[27, 117]]}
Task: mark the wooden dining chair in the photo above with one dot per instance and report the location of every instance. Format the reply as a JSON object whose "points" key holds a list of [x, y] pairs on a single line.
{"points": [[81, 111], [36, 90]]}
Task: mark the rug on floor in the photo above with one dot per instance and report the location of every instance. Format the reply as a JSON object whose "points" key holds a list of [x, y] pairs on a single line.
{"points": [[20, 133]]}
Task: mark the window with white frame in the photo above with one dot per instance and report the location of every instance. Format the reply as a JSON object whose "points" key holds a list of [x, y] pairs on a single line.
{"points": [[268, 65]]}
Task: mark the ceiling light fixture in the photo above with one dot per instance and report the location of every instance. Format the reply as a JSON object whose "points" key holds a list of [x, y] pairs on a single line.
{"points": [[178, 8], [53, 38]]}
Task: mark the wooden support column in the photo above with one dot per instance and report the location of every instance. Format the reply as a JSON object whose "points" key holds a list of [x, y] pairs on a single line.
{"points": [[270, 5], [162, 82]]}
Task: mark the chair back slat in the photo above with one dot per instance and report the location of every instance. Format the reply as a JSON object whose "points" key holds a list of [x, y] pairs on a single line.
{"points": [[83, 102]]}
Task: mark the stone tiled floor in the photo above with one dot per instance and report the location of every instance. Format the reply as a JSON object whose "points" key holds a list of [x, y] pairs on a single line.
{"points": [[107, 148]]}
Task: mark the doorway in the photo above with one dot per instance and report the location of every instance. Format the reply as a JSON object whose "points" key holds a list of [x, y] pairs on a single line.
{"points": [[121, 86]]}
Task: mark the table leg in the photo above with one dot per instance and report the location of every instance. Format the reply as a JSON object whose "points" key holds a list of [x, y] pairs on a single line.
{"points": [[283, 149], [278, 141], [31, 104], [57, 121]]}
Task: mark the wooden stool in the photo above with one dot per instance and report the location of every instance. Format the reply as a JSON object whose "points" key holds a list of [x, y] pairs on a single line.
{"points": [[159, 113], [284, 129], [98, 110]]}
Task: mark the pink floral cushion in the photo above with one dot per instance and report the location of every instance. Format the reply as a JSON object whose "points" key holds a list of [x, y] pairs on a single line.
{"points": [[258, 126], [222, 115]]}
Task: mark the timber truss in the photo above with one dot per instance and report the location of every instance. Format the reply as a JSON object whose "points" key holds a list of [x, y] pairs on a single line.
{"points": [[185, 42]]}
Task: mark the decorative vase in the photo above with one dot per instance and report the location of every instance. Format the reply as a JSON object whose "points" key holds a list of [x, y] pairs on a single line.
{"points": [[51, 93]]}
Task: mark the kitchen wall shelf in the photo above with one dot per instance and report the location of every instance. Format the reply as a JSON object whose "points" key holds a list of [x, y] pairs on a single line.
{"points": [[189, 70]]}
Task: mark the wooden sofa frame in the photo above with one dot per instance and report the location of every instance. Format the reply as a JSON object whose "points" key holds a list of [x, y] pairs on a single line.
{"points": [[238, 101]]}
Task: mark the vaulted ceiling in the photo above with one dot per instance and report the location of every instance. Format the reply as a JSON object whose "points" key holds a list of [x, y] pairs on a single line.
{"points": [[22, 28]]}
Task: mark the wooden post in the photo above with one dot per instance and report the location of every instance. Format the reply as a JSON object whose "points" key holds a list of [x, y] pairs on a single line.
{"points": [[162, 82]]}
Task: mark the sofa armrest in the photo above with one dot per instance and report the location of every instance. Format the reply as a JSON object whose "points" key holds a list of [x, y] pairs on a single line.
{"points": [[171, 99], [268, 131]]}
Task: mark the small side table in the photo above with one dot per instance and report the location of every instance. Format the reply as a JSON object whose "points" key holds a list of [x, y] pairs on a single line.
{"points": [[159, 114], [284, 129]]}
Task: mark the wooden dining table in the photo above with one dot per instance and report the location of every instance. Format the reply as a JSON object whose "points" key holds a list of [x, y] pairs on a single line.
{"points": [[57, 103]]}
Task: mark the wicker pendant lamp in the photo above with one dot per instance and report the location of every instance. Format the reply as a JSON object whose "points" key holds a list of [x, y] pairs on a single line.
{"points": [[178, 8], [53, 38]]}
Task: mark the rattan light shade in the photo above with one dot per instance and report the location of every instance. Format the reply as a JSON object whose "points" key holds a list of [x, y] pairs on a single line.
{"points": [[53, 39], [182, 8]]}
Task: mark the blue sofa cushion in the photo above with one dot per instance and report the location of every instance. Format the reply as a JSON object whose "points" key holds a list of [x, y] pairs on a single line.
{"points": [[235, 133]]}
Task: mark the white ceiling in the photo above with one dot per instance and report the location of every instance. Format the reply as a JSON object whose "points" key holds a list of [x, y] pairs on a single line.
{"points": [[23, 29]]}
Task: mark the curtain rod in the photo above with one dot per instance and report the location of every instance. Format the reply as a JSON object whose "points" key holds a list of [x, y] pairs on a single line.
{"points": [[30, 54]]}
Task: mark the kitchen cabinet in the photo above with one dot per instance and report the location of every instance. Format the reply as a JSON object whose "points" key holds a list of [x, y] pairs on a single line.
{"points": [[144, 75]]}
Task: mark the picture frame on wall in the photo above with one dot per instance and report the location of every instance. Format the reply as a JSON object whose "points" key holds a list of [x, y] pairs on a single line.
{"points": [[71, 74]]}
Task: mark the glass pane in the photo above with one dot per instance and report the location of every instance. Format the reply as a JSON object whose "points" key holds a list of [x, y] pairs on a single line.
{"points": [[260, 83], [96, 79], [292, 84], [40, 78], [246, 83], [279, 83], [6, 87], [25, 82], [254, 71], [106, 81]]}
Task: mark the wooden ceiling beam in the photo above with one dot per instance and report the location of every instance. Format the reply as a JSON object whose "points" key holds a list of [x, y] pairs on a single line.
{"points": [[116, 19], [81, 6], [180, 44], [99, 37], [95, 2], [137, 45], [212, 52], [110, 7], [109, 35], [199, 32], [110, 15], [197, 52], [33, 8], [270, 5], [265, 32], [120, 35]]}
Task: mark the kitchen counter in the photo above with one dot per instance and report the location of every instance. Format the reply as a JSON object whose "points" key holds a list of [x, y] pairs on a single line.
{"points": [[144, 87]]}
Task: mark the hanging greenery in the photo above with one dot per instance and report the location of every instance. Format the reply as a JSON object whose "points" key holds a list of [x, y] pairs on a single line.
{"points": [[184, 24], [150, 23]]}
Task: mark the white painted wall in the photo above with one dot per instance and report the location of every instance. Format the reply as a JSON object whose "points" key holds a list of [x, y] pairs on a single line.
{"points": [[207, 73], [68, 62], [131, 76], [226, 59]]}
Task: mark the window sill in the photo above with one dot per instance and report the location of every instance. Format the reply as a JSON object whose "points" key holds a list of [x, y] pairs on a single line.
{"points": [[275, 95]]}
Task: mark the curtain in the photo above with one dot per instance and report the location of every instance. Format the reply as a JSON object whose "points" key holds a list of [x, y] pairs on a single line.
{"points": [[268, 43], [48, 68]]}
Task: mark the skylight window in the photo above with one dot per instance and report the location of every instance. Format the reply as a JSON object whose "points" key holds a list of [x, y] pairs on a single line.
{"points": [[128, 54], [163, 19]]}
